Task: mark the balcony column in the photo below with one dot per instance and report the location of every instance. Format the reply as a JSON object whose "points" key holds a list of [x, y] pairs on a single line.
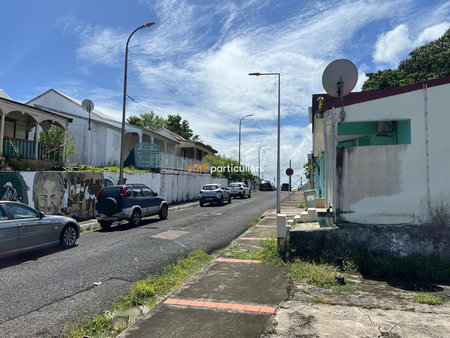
{"points": [[165, 147], [64, 147], [36, 143], [195, 153], [1, 135], [152, 139]]}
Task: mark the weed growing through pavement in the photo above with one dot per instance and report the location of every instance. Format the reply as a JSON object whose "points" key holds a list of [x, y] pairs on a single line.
{"points": [[144, 292], [255, 220], [428, 298], [301, 205]]}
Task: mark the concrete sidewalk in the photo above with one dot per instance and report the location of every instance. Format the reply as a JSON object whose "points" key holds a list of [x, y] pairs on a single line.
{"points": [[228, 298]]}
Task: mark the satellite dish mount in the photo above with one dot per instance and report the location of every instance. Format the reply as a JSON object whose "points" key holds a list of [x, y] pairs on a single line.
{"points": [[338, 79], [88, 105]]}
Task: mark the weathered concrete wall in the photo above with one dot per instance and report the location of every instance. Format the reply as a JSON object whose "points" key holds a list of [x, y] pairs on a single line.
{"points": [[388, 184], [377, 240], [73, 194]]}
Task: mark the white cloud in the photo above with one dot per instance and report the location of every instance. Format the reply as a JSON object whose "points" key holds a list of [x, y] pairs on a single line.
{"points": [[392, 46], [432, 33]]}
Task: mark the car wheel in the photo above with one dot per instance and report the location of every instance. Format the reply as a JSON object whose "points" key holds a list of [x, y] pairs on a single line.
{"points": [[68, 236], [163, 212], [249, 194], [105, 224], [221, 200], [202, 203], [242, 195], [135, 218], [229, 199], [109, 206]]}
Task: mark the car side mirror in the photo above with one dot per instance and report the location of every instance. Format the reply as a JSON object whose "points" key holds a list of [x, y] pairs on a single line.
{"points": [[155, 194], [41, 214]]}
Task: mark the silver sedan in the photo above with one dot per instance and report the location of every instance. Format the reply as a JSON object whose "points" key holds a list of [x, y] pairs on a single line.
{"points": [[24, 229]]}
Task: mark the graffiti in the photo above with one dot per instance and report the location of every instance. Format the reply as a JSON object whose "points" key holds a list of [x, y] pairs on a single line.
{"points": [[48, 192], [13, 187]]}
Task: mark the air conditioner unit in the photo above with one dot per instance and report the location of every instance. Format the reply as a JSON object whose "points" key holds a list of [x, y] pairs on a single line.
{"points": [[385, 127]]}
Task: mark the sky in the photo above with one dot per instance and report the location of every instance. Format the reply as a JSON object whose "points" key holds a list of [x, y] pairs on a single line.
{"points": [[195, 60]]}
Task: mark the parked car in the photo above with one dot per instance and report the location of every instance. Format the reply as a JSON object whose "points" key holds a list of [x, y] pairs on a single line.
{"points": [[285, 187], [214, 193], [24, 229], [239, 189], [128, 202], [265, 185]]}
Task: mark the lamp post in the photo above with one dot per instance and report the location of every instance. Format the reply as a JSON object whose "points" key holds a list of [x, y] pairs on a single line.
{"points": [[122, 136], [278, 137], [240, 123], [259, 162]]}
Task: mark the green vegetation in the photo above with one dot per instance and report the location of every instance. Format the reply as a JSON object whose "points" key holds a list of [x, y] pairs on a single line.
{"points": [[301, 205], [255, 220], [144, 292], [427, 62], [321, 300], [428, 298], [227, 163], [113, 169], [307, 170], [55, 137], [269, 252]]}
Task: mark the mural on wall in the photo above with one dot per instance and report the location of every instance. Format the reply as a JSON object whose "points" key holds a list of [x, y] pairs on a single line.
{"points": [[13, 187], [69, 194]]}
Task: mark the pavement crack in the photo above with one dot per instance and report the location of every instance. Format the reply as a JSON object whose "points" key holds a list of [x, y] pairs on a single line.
{"points": [[388, 333], [370, 320]]}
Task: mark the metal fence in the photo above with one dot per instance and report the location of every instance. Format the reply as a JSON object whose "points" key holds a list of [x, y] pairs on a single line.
{"points": [[174, 162], [26, 149]]}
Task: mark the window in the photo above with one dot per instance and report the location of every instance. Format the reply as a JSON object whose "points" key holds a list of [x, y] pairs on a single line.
{"points": [[21, 211], [374, 133], [137, 192], [147, 191], [3, 215]]}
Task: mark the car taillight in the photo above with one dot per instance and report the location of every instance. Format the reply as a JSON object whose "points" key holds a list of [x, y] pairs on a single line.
{"points": [[124, 192], [99, 193], [218, 190], [200, 191]]}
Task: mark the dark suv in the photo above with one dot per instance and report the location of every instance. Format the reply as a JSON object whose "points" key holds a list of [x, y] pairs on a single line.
{"points": [[128, 202], [265, 185]]}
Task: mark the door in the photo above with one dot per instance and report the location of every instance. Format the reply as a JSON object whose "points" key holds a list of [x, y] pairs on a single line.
{"points": [[151, 202], [33, 230], [9, 233], [138, 199]]}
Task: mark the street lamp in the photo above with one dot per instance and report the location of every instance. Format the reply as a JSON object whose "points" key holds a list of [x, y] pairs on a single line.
{"points": [[240, 123], [278, 138], [122, 136], [259, 162]]}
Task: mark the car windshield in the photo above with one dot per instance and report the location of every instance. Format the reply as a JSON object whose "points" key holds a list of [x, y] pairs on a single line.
{"points": [[235, 185], [210, 187]]}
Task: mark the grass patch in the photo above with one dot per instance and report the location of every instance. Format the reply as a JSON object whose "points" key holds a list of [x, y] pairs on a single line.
{"points": [[144, 292], [321, 275], [247, 254], [428, 298], [301, 205], [269, 252], [255, 220], [113, 169]]}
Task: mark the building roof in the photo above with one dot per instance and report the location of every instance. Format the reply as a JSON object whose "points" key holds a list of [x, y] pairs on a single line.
{"points": [[177, 136], [359, 97], [3, 95]]}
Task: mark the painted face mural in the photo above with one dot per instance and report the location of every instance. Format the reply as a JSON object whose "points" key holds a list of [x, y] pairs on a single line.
{"points": [[48, 192]]}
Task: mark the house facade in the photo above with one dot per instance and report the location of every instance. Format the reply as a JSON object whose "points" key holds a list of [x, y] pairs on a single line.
{"points": [[20, 125], [99, 146], [386, 159]]}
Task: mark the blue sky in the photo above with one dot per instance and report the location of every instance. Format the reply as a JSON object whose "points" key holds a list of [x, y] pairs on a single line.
{"points": [[195, 60]]}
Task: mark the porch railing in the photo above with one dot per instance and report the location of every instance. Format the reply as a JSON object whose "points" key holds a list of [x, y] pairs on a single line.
{"points": [[169, 161], [14, 147]]}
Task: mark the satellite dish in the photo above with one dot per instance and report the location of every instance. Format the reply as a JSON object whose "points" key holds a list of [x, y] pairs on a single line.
{"points": [[340, 77], [88, 105]]}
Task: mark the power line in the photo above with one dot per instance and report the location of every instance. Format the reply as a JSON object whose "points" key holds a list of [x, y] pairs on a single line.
{"points": [[146, 108]]}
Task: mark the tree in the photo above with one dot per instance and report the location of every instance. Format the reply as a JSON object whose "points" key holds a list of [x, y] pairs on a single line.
{"points": [[55, 137], [150, 121], [176, 124], [430, 61], [227, 164]]}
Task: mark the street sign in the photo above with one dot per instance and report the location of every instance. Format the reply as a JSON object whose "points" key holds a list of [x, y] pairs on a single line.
{"points": [[289, 171]]}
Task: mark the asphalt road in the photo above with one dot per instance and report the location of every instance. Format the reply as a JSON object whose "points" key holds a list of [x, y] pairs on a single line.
{"points": [[44, 291]]}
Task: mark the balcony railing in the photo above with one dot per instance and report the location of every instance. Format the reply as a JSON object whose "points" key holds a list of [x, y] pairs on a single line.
{"points": [[174, 162], [14, 147]]}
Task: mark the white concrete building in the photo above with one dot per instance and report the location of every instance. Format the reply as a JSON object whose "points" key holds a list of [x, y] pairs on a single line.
{"points": [[388, 160], [99, 146]]}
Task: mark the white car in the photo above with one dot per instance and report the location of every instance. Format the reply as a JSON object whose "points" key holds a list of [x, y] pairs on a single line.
{"points": [[214, 193], [239, 189]]}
